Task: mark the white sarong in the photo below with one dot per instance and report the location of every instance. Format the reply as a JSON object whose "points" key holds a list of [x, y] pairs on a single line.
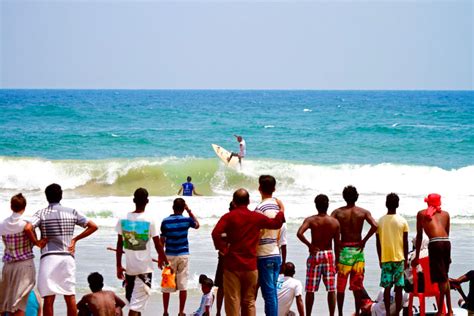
{"points": [[57, 275]]}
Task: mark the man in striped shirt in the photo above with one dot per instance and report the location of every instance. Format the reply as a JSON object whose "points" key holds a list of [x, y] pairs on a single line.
{"points": [[268, 251], [174, 235], [57, 266]]}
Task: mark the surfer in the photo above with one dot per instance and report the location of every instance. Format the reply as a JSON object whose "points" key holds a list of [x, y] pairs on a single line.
{"points": [[188, 188], [242, 150]]}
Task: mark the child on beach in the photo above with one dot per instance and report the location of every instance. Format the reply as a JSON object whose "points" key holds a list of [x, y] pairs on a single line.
{"points": [[99, 302], [392, 250], [18, 274], [207, 297]]}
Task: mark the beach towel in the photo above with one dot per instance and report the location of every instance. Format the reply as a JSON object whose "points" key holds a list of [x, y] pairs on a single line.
{"points": [[57, 275], [18, 279]]}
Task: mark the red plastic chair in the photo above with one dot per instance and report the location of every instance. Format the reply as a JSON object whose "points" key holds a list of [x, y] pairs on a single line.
{"points": [[431, 289]]}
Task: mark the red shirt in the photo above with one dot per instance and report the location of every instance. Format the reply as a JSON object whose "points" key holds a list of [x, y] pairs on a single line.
{"points": [[242, 228]]}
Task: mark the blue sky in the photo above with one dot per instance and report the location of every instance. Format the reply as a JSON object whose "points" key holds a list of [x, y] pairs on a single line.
{"points": [[237, 44]]}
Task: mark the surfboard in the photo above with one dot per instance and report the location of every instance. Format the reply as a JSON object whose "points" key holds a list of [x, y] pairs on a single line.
{"points": [[224, 154]]}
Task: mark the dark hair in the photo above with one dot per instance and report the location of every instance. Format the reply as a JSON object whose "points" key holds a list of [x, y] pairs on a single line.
{"points": [[54, 193], [322, 203], [289, 269], [207, 282], [140, 197], [231, 205], [241, 197], [178, 205], [267, 184], [392, 201], [350, 194], [96, 281], [18, 203], [188, 179]]}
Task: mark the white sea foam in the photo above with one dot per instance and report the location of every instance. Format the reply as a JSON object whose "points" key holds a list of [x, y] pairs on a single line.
{"points": [[297, 184], [307, 110]]}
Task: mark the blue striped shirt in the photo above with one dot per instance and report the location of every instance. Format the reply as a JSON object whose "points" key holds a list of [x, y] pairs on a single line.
{"points": [[175, 229]]}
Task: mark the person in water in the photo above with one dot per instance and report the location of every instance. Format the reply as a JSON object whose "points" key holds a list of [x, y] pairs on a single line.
{"points": [[188, 188]]}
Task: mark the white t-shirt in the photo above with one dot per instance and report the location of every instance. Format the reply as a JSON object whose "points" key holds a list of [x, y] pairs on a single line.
{"points": [[287, 289], [243, 148], [282, 240], [206, 300], [13, 224], [137, 230], [378, 308]]}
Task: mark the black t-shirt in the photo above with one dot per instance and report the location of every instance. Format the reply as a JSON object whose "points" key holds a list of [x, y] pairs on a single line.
{"points": [[470, 296]]}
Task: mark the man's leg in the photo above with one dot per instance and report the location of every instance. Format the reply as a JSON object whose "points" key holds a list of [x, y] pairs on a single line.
{"points": [[357, 301], [268, 269], [220, 299], [71, 305], [309, 301], [166, 303], [48, 305], [232, 297], [182, 301], [331, 302], [249, 281], [386, 300], [398, 298], [444, 290]]}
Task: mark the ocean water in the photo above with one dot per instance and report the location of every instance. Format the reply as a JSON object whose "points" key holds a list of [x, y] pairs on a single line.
{"points": [[100, 145]]}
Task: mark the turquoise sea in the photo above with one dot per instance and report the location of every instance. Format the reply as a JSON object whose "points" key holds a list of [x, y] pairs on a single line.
{"points": [[100, 145]]}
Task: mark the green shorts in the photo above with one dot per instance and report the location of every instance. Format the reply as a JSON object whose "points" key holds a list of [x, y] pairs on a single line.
{"points": [[392, 274]]}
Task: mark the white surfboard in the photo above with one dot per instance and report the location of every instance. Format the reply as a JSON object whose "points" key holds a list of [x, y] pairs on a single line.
{"points": [[224, 154]]}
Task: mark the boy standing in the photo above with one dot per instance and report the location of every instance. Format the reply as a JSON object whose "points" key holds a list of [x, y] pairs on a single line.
{"points": [[174, 235], [321, 261], [134, 234], [392, 250], [268, 251]]}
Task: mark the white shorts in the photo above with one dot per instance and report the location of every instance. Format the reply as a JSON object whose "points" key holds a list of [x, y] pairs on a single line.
{"points": [[57, 275], [141, 292]]}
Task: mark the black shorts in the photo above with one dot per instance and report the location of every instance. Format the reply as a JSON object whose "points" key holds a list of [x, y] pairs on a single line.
{"points": [[439, 251]]}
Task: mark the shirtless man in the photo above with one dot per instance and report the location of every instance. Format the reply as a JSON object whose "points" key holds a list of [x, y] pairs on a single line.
{"points": [[351, 256], [99, 303], [321, 263], [435, 223]]}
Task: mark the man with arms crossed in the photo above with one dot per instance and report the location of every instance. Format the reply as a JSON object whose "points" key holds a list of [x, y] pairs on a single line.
{"points": [[392, 250], [321, 261], [351, 260], [134, 235], [239, 247], [435, 222], [57, 271]]}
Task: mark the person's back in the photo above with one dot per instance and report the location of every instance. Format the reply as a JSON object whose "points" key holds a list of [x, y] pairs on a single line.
{"points": [[351, 256], [437, 225], [351, 219], [288, 289], [321, 260], [101, 303]]}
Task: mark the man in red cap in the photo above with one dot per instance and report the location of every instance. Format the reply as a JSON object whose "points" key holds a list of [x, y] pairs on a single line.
{"points": [[435, 222]]}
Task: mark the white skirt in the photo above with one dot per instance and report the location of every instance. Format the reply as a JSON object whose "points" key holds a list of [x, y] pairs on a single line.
{"points": [[57, 275]]}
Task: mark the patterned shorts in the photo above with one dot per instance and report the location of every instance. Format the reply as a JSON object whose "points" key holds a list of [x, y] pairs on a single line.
{"points": [[392, 274], [351, 263], [321, 265]]}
